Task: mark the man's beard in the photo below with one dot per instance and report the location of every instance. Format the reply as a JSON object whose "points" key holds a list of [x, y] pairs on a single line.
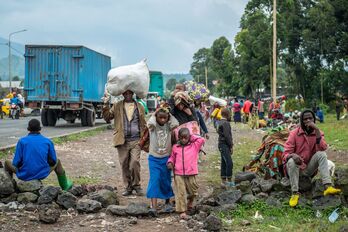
{"points": [[308, 130]]}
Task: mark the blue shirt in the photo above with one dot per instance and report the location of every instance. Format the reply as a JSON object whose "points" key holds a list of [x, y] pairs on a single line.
{"points": [[15, 100], [31, 157]]}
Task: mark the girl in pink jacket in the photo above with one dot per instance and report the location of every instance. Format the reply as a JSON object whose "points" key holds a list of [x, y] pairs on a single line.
{"points": [[184, 161]]}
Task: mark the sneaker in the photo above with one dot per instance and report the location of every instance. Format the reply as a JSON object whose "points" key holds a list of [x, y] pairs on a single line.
{"points": [[127, 193], [153, 212], [331, 191], [168, 208], [294, 200], [139, 192], [230, 184]]}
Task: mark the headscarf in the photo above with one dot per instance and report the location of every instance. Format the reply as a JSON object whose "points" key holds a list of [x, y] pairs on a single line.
{"points": [[182, 97], [164, 107]]}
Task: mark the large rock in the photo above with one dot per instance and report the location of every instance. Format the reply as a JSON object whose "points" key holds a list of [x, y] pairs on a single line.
{"points": [[326, 202], [48, 194], [229, 197], [105, 197], [88, 206], [49, 213], [10, 198], [281, 195], [6, 183], [244, 176], [118, 210], [67, 200], [26, 197], [318, 188], [248, 199], [212, 223], [28, 186], [244, 186], [267, 185], [209, 201], [137, 209], [272, 201], [305, 184], [341, 179], [78, 191]]}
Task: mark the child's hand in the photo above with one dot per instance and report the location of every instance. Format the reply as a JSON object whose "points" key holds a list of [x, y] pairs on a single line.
{"points": [[170, 166]]}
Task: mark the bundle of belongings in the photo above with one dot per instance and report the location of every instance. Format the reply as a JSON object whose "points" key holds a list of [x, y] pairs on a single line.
{"points": [[197, 91], [135, 78], [268, 160]]}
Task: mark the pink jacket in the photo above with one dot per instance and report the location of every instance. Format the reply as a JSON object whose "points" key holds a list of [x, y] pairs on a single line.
{"points": [[303, 145], [185, 159]]}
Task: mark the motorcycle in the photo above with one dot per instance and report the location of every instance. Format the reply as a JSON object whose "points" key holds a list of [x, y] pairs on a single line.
{"points": [[14, 111]]}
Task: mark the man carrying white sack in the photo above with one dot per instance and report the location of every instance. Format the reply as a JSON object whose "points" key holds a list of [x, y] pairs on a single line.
{"points": [[129, 121]]}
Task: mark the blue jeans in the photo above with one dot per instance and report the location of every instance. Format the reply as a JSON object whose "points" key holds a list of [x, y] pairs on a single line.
{"points": [[226, 161]]}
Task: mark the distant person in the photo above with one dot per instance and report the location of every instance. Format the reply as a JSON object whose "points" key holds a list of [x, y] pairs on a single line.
{"points": [[338, 107], [247, 109], [260, 108], [304, 154], [129, 122], [225, 144], [236, 108], [184, 163], [35, 158], [320, 114]]}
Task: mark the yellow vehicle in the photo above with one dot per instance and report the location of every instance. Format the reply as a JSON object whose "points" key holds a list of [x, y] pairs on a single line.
{"points": [[5, 106]]}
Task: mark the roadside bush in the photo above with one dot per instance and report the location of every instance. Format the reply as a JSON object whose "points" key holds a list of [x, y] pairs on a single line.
{"points": [[294, 104]]}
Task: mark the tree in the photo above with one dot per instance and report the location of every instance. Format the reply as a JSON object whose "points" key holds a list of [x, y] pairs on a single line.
{"points": [[15, 78], [171, 84]]}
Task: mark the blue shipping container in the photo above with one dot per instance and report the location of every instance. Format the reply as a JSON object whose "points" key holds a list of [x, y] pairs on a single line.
{"points": [[65, 73]]}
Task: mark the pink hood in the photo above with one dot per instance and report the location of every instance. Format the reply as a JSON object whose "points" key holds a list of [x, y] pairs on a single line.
{"points": [[185, 159]]}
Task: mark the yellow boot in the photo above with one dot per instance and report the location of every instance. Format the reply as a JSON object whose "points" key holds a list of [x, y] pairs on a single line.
{"points": [[294, 200], [331, 191]]}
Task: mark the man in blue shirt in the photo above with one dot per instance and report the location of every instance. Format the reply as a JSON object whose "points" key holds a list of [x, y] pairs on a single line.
{"points": [[35, 158]]}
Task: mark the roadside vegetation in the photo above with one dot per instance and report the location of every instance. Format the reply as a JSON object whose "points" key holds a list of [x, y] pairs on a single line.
{"points": [[336, 132]]}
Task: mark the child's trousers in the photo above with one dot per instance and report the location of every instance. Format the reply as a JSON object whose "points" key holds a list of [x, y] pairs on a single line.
{"points": [[185, 188], [226, 161]]}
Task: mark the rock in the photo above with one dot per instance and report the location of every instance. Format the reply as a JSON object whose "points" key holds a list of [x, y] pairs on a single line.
{"points": [[133, 220], [49, 213], [78, 191], [6, 183], [245, 223], [26, 197], [248, 198], [305, 184], [317, 188], [205, 208], [225, 208], [229, 197], [285, 182], [67, 200], [256, 190], [200, 216], [105, 197], [272, 201], [244, 176], [262, 196], [304, 202], [244, 186], [137, 209], [191, 223], [267, 185], [341, 179], [325, 202], [88, 206], [11, 206], [210, 201], [10, 198], [110, 188], [48, 194], [282, 195], [28, 186], [117, 210], [2, 207], [343, 228], [212, 223], [30, 207]]}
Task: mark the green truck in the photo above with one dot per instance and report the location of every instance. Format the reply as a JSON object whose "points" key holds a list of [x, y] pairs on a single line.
{"points": [[156, 90]]}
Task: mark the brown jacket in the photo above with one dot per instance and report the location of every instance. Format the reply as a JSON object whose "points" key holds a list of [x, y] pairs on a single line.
{"points": [[116, 113]]}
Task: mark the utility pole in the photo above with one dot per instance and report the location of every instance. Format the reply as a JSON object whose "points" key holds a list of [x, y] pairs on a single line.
{"points": [[206, 76], [274, 84], [9, 56]]}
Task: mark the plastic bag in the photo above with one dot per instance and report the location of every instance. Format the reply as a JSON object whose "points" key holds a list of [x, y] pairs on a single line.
{"points": [[135, 78], [217, 100]]}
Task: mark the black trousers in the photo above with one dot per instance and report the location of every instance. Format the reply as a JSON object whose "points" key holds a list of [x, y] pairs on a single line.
{"points": [[226, 160]]}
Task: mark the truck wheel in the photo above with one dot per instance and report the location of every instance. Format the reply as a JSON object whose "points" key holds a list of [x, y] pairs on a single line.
{"points": [[91, 117], [44, 117], [99, 115], [51, 117], [83, 117]]}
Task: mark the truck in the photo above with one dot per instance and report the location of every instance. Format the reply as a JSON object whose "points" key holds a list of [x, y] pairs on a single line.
{"points": [[65, 82], [156, 90]]}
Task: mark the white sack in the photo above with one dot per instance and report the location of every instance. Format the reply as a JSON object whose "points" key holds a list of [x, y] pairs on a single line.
{"points": [[220, 101], [135, 78]]}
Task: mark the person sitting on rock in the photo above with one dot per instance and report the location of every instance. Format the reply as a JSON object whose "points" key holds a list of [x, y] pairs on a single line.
{"points": [[35, 158], [304, 154]]}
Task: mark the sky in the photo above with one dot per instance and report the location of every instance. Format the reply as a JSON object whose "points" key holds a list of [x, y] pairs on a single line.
{"points": [[165, 32]]}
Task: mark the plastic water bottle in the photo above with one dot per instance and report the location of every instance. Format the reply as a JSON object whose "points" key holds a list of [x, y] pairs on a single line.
{"points": [[333, 216]]}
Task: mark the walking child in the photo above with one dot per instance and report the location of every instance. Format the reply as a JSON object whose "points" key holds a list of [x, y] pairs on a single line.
{"points": [[225, 145], [184, 161], [160, 125]]}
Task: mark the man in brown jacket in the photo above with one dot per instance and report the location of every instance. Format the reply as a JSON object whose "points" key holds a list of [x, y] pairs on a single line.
{"points": [[129, 121]]}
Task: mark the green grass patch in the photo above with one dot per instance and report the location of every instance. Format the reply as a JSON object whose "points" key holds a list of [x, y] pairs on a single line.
{"points": [[7, 152], [79, 180], [336, 132], [78, 136]]}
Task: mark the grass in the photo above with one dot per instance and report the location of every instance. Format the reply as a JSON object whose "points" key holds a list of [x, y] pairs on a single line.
{"points": [[282, 218], [80, 180], [60, 140], [336, 132]]}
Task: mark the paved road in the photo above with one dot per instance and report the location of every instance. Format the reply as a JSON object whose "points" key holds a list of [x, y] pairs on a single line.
{"points": [[12, 130]]}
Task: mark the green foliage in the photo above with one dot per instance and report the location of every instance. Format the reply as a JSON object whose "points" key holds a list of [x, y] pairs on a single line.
{"points": [[293, 104], [171, 84]]}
